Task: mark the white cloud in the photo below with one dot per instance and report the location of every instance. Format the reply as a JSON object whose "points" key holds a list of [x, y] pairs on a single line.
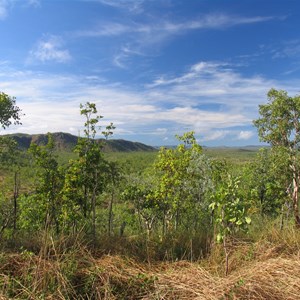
{"points": [[135, 6], [214, 105], [214, 135], [201, 119], [166, 28], [213, 21], [289, 49], [146, 38], [216, 83], [3, 9], [108, 29], [35, 3], [245, 135], [201, 69], [50, 49], [7, 5], [119, 60]]}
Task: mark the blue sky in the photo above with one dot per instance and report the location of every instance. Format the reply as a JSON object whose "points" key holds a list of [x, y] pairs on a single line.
{"points": [[154, 68]]}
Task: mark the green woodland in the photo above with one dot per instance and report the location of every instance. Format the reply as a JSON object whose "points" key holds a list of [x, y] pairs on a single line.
{"points": [[177, 223]]}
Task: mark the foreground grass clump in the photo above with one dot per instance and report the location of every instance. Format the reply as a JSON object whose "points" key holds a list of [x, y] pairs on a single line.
{"points": [[264, 267], [115, 277]]}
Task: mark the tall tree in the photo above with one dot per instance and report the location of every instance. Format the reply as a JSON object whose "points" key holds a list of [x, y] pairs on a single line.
{"points": [[182, 179], [50, 181], [85, 176], [279, 125], [9, 112], [12, 158], [266, 179]]}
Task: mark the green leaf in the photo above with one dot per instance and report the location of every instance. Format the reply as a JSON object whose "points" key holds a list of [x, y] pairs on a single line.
{"points": [[212, 205], [248, 220], [239, 222], [219, 237]]}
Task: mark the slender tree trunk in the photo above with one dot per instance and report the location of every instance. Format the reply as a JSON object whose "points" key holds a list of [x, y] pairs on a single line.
{"points": [[177, 217], [54, 207], [94, 218], [282, 217], [140, 219], [149, 225], [93, 204], [122, 228], [4, 225], [84, 204], [57, 227], [47, 221], [296, 200], [110, 212], [226, 255], [295, 185], [164, 224], [16, 195]]}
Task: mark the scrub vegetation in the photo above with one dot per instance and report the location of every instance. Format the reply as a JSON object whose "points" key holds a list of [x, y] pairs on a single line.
{"points": [[177, 223]]}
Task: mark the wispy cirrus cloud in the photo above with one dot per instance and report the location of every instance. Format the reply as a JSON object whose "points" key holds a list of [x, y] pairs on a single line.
{"points": [[34, 3], [288, 49], [135, 6], [146, 37], [214, 21], [7, 5], [4, 6], [209, 21], [123, 56], [48, 49], [107, 29]]}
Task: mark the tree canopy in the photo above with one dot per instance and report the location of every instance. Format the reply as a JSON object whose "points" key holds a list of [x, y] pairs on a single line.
{"points": [[279, 125], [9, 112]]}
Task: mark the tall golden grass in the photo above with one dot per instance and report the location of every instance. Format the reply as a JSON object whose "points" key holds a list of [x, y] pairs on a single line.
{"points": [[267, 268]]}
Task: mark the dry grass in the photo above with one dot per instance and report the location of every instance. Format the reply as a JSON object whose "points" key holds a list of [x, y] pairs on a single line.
{"points": [[114, 277], [119, 278], [272, 279], [267, 269]]}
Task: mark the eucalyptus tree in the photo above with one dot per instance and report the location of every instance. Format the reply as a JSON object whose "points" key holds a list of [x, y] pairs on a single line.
{"points": [[139, 193], [279, 125], [85, 177], [199, 186], [50, 182], [9, 112], [12, 158], [265, 180], [183, 179]]}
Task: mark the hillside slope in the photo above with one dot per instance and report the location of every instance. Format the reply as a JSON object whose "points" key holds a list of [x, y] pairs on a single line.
{"points": [[66, 142]]}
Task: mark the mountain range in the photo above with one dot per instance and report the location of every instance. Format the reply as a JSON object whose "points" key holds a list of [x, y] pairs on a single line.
{"points": [[66, 142]]}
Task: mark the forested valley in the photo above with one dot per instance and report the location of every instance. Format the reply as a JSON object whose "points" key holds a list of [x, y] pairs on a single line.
{"points": [[177, 223]]}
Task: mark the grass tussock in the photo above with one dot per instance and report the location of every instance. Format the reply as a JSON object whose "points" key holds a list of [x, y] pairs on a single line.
{"points": [[115, 277], [266, 268], [272, 279]]}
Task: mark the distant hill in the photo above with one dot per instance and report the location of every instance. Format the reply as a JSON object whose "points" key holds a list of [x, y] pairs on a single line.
{"points": [[66, 142], [126, 146]]}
